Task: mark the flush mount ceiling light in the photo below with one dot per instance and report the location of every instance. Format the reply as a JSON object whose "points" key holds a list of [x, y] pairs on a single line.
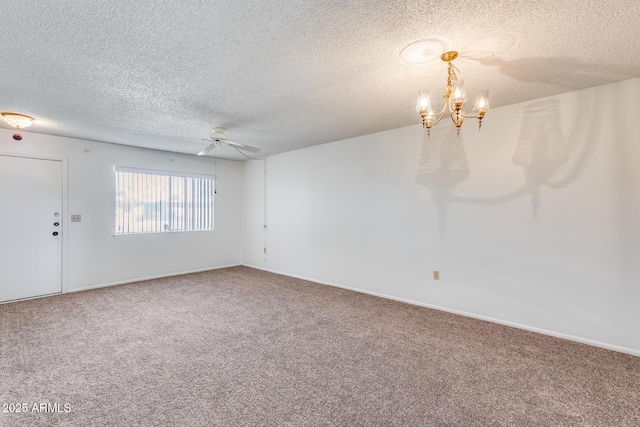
{"points": [[455, 99], [17, 120]]}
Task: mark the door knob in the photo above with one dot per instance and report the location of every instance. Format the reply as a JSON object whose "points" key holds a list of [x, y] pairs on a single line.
{"points": [[55, 233], [56, 224]]}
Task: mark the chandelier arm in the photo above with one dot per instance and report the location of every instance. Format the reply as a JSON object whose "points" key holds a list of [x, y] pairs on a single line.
{"points": [[444, 108], [451, 113], [438, 116]]}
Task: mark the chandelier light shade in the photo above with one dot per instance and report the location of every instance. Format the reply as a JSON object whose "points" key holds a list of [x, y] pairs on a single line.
{"points": [[17, 120], [455, 99]]}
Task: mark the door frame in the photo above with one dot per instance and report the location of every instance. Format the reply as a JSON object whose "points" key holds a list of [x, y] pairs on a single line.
{"points": [[64, 215]]}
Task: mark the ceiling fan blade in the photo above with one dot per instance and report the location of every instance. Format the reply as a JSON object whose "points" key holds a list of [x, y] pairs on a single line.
{"points": [[209, 148], [242, 146]]}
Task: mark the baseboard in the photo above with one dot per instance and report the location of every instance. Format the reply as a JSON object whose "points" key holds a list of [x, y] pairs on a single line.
{"points": [[142, 279], [581, 340], [30, 298]]}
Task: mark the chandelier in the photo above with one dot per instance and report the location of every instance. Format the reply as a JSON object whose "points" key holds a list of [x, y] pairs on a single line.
{"points": [[455, 99]]}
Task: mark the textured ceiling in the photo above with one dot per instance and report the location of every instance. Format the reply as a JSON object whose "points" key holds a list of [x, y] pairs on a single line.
{"points": [[283, 75]]}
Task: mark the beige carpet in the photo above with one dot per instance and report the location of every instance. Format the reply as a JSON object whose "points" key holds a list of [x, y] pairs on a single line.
{"points": [[241, 347]]}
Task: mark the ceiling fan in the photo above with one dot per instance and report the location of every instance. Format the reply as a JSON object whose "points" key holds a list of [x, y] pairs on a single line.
{"points": [[218, 138]]}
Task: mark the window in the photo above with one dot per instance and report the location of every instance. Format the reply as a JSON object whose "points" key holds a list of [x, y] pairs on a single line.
{"points": [[150, 201]]}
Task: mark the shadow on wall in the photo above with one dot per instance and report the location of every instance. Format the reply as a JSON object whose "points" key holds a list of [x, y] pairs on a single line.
{"points": [[548, 158], [541, 149], [443, 166]]}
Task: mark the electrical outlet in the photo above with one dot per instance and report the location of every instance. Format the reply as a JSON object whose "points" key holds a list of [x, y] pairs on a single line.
{"points": [[76, 218], [436, 274]]}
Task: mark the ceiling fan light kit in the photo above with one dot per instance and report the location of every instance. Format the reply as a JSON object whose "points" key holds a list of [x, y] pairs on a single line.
{"points": [[455, 99]]}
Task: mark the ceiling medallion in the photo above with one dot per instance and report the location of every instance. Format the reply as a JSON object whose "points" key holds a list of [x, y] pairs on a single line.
{"points": [[423, 51]]}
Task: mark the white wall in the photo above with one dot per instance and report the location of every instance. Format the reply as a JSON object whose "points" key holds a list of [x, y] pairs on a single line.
{"points": [[533, 221], [93, 255]]}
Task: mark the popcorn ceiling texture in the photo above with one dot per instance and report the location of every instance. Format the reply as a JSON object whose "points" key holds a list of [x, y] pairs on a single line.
{"points": [[286, 75]]}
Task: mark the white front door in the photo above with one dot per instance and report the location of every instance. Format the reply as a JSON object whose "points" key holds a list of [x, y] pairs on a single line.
{"points": [[30, 227]]}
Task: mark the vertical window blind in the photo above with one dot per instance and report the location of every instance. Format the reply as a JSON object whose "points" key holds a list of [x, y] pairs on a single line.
{"points": [[150, 201]]}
